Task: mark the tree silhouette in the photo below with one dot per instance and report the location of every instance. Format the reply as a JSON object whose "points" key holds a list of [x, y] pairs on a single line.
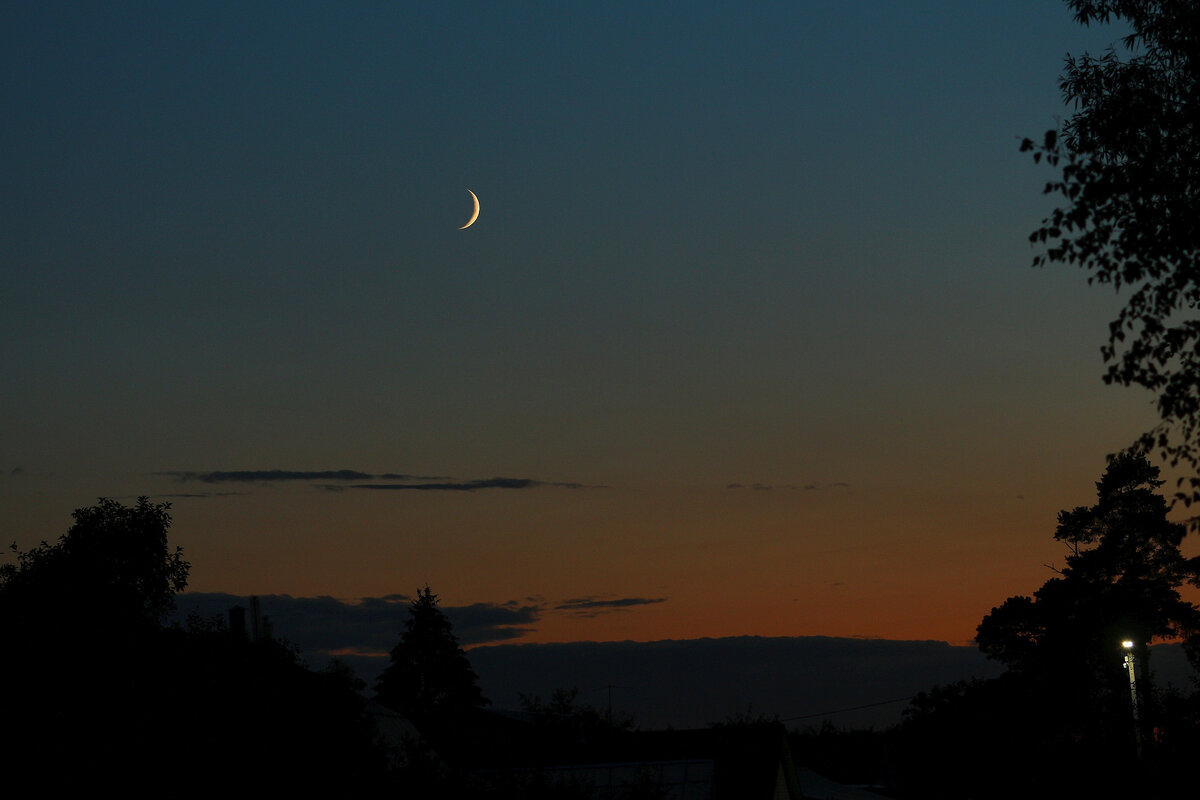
{"points": [[98, 693], [81, 621], [567, 719], [111, 573], [1121, 581], [251, 714], [1129, 174], [429, 678], [1061, 711]]}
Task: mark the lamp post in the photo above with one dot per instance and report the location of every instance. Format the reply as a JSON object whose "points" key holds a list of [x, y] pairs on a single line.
{"points": [[1137, 728]]}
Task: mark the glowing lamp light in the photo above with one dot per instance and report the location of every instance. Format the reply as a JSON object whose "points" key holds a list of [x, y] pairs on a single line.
{"points": [[1137, 727]]}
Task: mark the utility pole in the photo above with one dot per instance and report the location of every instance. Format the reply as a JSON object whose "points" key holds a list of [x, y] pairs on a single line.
{"points": [[608, 714]]}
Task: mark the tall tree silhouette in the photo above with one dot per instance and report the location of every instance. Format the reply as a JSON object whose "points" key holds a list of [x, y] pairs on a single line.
{"points": [[1121, 580], [1129, 175], [429, 677], [1123, 571], [1061, 710]]}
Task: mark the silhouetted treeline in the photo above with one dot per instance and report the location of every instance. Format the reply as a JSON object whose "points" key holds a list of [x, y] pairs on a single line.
{"points": [[98, 693], [1061, 721]]}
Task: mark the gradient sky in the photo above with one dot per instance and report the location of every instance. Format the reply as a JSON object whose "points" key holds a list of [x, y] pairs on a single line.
{"points": [[747, 317]]}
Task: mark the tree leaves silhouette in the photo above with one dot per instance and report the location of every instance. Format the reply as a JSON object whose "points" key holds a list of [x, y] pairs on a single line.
{"points": [[1129, 176], [111, 574], [98, 692]]}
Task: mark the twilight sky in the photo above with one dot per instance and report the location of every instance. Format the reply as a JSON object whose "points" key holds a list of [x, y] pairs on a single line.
{"points": [[745, 339]]}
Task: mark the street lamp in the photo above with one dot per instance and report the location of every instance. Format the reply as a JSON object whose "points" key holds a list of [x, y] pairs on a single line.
{"points": [[1137, 728]]}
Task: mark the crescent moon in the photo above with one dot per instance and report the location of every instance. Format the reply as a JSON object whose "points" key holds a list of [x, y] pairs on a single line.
{"points": [[474, 214]]}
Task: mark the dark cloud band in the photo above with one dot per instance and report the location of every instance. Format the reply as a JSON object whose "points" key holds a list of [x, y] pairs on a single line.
{"points": [[342, 479], [269, 476]]}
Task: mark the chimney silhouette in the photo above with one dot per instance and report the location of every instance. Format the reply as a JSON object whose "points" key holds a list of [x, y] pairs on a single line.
{"points": [[237, 622], [255, 619]]}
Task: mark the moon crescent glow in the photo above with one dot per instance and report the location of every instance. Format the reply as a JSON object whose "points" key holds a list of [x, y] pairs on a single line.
{"points": [[474, 214]]}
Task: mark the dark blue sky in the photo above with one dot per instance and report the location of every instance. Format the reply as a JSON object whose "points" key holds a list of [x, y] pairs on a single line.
{"points": [[781, 245]]}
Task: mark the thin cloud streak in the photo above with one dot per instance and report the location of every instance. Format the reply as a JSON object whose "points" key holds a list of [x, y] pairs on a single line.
{"points": [[343, 479], [593, 606], [466, 486], [281, 475], [808, 487]]}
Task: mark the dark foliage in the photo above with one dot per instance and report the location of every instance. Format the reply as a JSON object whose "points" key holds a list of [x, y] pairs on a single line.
{"points": [[260, 720], [1129, 177], [112, 572], [1002, 738], [80, 626], [99, 695], [850, 756], [1123, 572], [568, 717], [1062, 711]]}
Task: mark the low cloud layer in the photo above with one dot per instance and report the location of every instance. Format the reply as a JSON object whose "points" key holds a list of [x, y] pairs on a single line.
{"points": [[362, 632], [695, 682], [371, 625]]}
